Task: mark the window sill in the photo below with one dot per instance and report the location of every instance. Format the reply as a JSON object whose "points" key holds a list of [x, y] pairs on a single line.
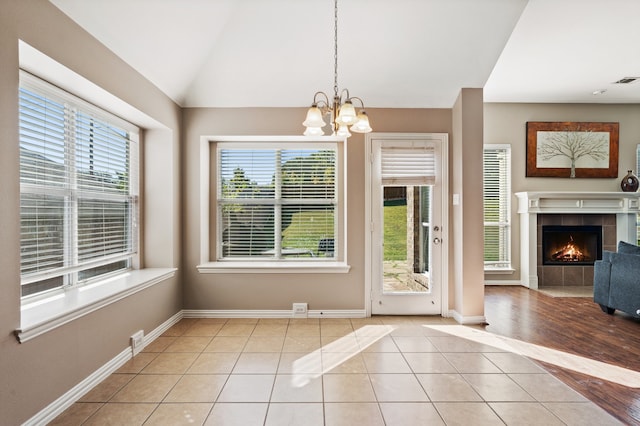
{"points": [[274, 268], [499, 271], [44, 315]]}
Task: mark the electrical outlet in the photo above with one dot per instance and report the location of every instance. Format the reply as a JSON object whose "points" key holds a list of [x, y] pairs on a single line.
{"points": [[300, 310], [136, 341]]}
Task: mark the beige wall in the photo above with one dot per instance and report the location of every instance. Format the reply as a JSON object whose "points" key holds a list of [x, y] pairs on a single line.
{"points": [[466, 285], [279, 291], [63, 357], [506, 124], [35, 373]]}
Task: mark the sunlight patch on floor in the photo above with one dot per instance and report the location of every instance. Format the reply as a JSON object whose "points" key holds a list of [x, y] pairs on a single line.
{"points": [[328, 357], [580, 364]]}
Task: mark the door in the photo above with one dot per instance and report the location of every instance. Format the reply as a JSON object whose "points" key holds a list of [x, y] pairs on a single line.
{"points": [[407, 255]]}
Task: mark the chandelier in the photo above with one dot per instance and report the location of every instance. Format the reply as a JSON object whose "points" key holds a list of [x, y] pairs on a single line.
{"points": [[343, 114]]}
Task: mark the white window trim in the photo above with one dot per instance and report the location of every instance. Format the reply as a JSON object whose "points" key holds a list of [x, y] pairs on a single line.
{"points": [[222, 267], [499, 271], [45, 314], [488, 267], [41, 86], [52, 310], [208, 266]]}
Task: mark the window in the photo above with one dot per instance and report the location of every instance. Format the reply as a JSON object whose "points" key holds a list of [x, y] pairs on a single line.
{"points": [[497, 206], [277, 201], [78, 190]]}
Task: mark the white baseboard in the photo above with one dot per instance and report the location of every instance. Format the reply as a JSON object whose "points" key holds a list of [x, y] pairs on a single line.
{"points": [[236, 313], [355, 313], [155, 333], [503, 282], [196, 313], [461, 319], [56, 408]]}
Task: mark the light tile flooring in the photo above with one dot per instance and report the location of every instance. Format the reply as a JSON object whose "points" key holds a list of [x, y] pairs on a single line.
{"points": [[373, 371]]}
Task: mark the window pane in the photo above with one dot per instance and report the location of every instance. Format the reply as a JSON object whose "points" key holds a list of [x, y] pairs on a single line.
{"points": [[247, 173], [495, 243], [103, 228], [102, 153], [42, 146], [41, 233], [310, 228], [497, 193], [277, 203], [41, 286], [308, 174], [248, 230], [103, 269], [495, 186]]}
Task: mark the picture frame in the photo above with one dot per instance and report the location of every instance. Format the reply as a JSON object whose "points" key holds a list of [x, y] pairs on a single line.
{"points": [[572, 149]]}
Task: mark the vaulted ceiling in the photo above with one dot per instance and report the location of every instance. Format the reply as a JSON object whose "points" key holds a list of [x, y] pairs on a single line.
{"points": [[400, 53]]}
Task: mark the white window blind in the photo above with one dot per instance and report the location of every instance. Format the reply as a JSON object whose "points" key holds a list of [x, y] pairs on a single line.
{"points": [[497, 206], [408, 166], [78, 189], [276, 203]]}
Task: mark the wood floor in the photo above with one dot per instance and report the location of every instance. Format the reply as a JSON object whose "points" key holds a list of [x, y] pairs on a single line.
{"points": [[574, 325]]}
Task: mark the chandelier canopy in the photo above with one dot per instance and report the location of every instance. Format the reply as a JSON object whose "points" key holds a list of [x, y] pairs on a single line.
{"points": [[342, 112]]}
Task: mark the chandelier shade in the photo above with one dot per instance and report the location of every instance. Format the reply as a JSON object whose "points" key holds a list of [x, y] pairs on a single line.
{"points": [[341, 111], [343, 131], [313, 131], [314, 118], [362, 123], [346, 114]]}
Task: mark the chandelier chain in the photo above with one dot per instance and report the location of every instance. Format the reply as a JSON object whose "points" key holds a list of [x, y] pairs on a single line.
{"points": [[335, 48], [343, 114]]}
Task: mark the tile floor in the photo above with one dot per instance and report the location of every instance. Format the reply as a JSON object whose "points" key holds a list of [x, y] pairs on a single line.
{"points": [[373, 371]]}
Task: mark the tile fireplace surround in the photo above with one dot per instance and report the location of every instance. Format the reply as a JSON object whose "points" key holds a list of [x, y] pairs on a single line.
{"points": [[624, 205], [572, 275]]}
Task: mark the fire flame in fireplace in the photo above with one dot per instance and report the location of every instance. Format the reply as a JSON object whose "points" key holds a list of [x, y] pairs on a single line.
{"points": [[569, 253]]}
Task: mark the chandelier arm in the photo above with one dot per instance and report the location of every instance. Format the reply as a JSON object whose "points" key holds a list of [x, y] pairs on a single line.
{"points": [[325, 100], [357, 98], [344, 95]]}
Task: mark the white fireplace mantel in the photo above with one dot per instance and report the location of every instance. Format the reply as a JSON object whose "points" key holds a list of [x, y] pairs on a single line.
{"points": [[625, 205]]}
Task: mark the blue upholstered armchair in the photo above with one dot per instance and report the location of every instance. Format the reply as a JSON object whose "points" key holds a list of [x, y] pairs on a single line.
{"points": [[616, 280]]}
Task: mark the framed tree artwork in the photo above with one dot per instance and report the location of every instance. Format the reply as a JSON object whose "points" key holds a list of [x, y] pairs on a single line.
{"points": [[572, 149]]}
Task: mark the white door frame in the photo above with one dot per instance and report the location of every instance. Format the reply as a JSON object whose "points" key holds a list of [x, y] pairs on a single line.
{"points": [[444, 259]]}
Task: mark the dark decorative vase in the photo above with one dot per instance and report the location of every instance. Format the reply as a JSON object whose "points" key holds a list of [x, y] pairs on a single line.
{"points": [[629, 182]]}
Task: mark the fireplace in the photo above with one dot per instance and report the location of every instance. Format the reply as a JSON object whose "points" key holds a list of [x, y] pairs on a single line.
{"points": [[615, 212], [566, 245], [569, 244]]}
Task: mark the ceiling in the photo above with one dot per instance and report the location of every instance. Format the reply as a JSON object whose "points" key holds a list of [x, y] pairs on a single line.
{"points": [[397, 54]]}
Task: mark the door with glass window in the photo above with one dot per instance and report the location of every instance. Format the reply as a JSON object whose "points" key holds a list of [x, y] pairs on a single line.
{"points": [[407, 225]]}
